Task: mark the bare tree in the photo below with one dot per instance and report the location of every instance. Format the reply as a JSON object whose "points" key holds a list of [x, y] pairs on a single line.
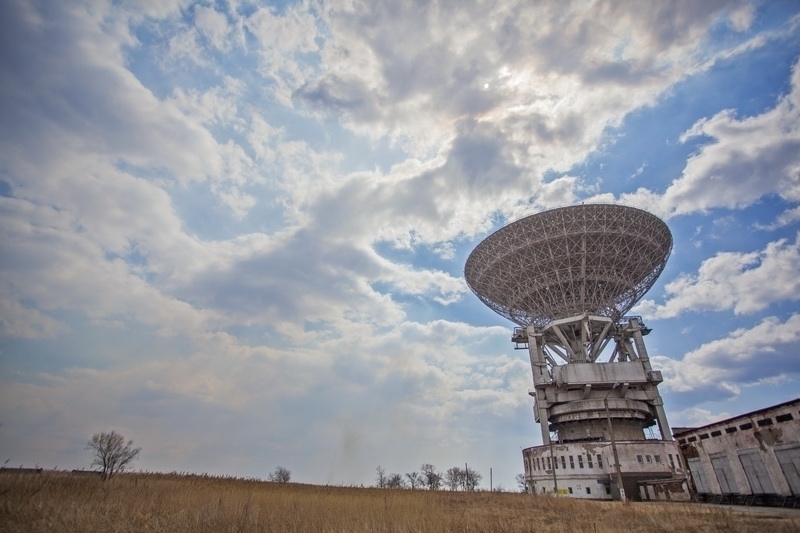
{"points": [[415, 480], [453, 478], [380, 479], [470, 479], [394, 481], [111, 453], [280, 475], [521, 483], [432, 478]]}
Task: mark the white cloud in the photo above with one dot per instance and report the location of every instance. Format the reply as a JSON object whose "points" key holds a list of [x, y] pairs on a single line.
{"points": [[742, 282], [722, 367], [19, 321], [405, 279], [214, 26], [696, 416], [783, 219], [746, 159]]}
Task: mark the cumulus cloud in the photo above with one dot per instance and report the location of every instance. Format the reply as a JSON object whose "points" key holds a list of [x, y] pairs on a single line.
{"points": [[745, 159], [742, 282], [213, 25], [783, 219], [722, 367], [696, 416]]}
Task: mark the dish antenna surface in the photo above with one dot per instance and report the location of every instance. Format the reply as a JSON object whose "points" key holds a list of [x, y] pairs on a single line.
{"points": [[598, 259]]}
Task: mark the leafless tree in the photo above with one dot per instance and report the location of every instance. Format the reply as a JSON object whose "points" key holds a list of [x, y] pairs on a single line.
{"points": [[521, 483], [280, 475], [380, 479], [415, 480], [453, 478], [432, 478], [394, 481], [470, 479], [111, 453]]}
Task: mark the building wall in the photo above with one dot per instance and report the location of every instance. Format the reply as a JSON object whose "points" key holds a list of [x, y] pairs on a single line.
{"points": [[756, 453], [587, 469], [668, 490]]}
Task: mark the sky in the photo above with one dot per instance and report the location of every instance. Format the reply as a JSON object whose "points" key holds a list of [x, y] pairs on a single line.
{"points": [[235, 232]]}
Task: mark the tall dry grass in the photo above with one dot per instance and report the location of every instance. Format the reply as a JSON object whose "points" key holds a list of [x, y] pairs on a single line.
{"points": [[63, 502]]}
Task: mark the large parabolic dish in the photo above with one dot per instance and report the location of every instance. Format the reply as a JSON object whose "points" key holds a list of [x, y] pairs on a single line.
{"points": [[594, 258]]}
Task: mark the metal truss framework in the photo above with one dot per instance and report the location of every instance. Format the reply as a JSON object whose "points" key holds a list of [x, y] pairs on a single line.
{"points": [[568, 392], [597, 259]]}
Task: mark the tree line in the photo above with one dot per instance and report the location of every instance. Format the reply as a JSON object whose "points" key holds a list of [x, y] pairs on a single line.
{"points": [[455, 478], [113, 455]]}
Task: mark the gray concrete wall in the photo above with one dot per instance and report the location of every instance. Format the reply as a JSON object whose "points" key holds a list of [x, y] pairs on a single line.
{"points": [[756, 436]]}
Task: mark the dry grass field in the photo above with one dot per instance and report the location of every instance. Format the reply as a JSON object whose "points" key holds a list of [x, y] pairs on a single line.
{"points": [[64, 502]]}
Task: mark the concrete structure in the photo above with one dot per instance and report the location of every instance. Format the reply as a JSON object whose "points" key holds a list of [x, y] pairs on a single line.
{"points": [[567, 277], [751, 458], [588, 470], [601, 410]]}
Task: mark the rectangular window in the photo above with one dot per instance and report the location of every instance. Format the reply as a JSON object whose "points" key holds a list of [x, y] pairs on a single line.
{"points": [[580, 461], [608, 489], [588, 490], [648, 458], [657, 458], [748, 425], [731, 430], [589, 460], [563, 462], [692, 439], [671, 461], [703, 436], [599, 461], [639, 458], [549, 466], [682, 441], [784, 418], [765, 422], [569, 489], [572, 462], [716, 433]]}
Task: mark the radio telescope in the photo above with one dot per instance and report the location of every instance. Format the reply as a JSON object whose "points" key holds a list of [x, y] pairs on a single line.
{"points": [[567, 277], [599, 259]]}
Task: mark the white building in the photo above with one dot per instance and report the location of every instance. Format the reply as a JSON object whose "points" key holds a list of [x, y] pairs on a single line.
{"points": [[750, 458]]}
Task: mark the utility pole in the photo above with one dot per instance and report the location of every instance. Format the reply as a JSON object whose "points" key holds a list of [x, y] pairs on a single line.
{"points": [[614, 447], [552, 458]]}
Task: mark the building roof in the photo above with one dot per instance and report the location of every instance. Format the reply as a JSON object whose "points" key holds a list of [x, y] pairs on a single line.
{"points": [[684, 430]]}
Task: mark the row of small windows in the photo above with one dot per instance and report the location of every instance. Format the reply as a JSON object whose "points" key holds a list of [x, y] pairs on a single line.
{"points": [[650, 459], [764, 422], [539, 463], [588, 490]]}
